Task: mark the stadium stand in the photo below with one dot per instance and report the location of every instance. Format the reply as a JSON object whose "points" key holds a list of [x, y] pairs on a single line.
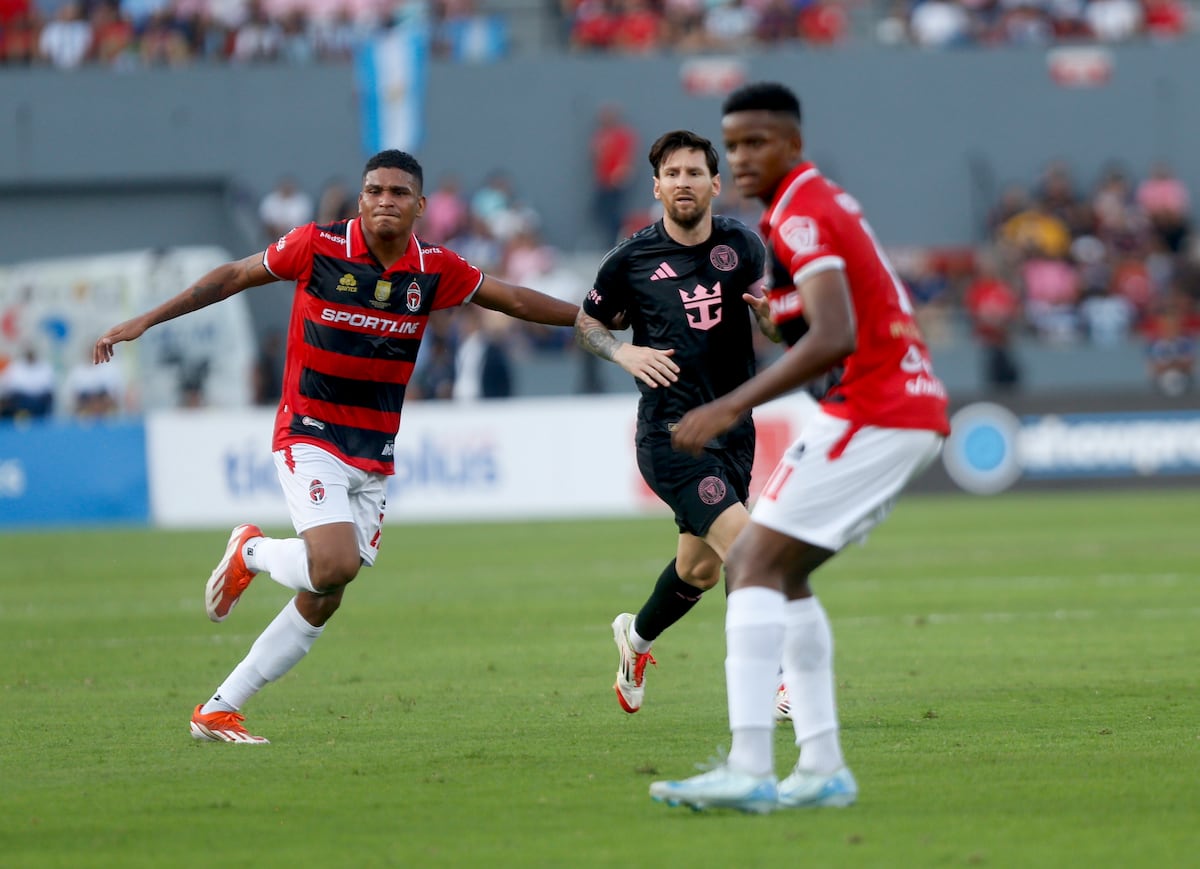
{"points": [[1101, 263]]}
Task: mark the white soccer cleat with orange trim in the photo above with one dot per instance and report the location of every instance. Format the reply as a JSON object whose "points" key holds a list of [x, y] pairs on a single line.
{"points": [[631, 668], [223, 727]]}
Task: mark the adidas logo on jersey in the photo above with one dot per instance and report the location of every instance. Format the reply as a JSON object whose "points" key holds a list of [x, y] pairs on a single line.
{"points": [[663, 272]]}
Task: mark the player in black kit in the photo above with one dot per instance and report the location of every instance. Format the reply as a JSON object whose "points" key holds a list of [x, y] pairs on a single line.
{"points": [[686, 286]]}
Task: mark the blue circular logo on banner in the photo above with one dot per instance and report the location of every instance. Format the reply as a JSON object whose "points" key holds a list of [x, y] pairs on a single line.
{"points": [[981, 453]]}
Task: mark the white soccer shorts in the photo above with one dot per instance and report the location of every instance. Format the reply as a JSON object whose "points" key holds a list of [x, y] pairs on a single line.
{"points": [[833, 502], [320, 489]]}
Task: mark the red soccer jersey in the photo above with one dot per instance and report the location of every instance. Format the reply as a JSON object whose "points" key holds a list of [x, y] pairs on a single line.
{"points": [[354, 334], [888, 381]]}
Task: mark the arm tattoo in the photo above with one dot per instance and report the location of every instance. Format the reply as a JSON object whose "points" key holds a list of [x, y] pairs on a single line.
{"points": [[203, 295], [195, 297], [592, 336]]}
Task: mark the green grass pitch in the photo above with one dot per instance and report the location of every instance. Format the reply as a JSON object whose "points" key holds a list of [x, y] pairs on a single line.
{"points": [[1019, 680]]}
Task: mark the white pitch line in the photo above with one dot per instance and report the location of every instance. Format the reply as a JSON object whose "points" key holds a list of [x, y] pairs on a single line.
{"points": [[1006, 617]]}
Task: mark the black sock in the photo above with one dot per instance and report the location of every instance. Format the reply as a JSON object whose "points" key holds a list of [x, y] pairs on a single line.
{"points": [[667, 604]]}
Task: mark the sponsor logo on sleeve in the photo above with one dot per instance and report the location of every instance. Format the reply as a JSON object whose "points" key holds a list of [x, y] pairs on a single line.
{"points": [[800, 235]]}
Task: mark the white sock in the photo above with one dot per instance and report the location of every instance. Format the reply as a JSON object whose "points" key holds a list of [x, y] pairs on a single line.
{"points": [[808, 674], [280, 647], [636, 641], [754, 631], [286, 561]]}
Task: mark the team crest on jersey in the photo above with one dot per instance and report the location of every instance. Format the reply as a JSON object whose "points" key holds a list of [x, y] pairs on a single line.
{"points": [[723, 257], [800, 234], [412, 298], [703, 306], [711, 490], [316, 492]]}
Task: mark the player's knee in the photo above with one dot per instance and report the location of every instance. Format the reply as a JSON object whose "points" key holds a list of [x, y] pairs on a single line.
{"points": [[333, 572], [317, 609], [703, 575]]}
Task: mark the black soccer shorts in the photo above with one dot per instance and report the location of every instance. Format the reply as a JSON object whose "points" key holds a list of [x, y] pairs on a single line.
{"points": [[697, 488]]}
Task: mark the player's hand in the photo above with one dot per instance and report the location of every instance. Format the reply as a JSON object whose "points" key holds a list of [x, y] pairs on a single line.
{"points": [[702, 424], [650, 365], [127, 331], [761, 307]]}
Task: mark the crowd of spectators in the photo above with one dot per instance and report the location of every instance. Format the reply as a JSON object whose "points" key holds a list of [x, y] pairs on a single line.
{"points": [[646, 26], [156, 33], [956, 23], [1063, 264], [1114, 262], [125, 34], [29, 385]]}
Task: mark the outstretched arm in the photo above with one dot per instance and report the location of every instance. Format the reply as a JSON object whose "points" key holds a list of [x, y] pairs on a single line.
{"points": [[221, 283], [524, 303], [652, 366]]}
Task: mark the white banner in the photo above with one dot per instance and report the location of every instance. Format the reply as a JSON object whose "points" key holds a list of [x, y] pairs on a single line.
{"points": [[60, 307], [518, 459]]}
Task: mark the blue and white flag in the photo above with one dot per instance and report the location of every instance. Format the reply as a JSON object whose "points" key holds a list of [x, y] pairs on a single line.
{"points": [[391, 73]]}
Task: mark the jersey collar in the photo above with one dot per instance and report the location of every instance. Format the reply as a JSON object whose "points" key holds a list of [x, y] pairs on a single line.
{"points": [[412, 261], [785, 192]]}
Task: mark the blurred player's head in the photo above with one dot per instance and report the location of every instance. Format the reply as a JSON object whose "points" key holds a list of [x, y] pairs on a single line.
{"points": [[391, 200], [685, 176], [763, 96], [760, 124]]}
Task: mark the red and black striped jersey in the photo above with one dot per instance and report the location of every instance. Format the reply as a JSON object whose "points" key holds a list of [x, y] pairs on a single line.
{"points": [[354, 334]]}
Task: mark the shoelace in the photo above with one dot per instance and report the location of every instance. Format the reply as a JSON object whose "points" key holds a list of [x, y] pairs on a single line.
{"points": [[225, 720], [639, 667]]}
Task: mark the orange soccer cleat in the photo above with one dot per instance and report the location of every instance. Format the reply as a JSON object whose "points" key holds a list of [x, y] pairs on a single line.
{"points": [[231, 576]]}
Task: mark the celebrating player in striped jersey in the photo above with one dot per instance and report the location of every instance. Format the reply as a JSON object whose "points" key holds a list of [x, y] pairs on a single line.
{"points": [[365, 288]]}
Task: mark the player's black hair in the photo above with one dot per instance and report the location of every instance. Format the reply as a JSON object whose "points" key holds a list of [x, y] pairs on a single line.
{"points": [[763, 96], [668, 143], [394, 159]]}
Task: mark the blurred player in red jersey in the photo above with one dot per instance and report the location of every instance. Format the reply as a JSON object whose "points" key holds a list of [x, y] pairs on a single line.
{"points": [[365, 287], [879, 426]]}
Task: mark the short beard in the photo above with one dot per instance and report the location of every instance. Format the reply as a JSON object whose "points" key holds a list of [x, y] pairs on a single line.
{"points": [[689, 222]]}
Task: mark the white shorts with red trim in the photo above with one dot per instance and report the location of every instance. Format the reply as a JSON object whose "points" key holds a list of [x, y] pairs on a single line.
{"points": [[321, 489], [832, 501]]}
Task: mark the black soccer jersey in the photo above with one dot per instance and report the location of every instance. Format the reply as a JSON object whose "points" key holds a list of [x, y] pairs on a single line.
{"points": [[688, 298]]}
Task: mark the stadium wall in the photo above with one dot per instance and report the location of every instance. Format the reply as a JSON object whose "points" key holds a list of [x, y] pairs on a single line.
{"points": [[542, 459], [925, 139]]}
